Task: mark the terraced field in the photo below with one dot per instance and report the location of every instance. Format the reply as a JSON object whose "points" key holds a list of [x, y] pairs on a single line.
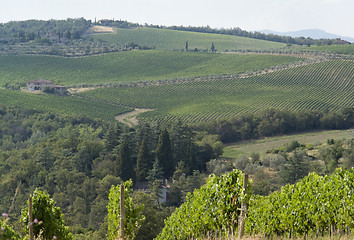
{"points": [[132, 66], [176, 40], [327, 85]]}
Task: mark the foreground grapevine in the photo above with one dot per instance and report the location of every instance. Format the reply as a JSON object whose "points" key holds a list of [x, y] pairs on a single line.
{"points": [[314, 206], [213, 207]]}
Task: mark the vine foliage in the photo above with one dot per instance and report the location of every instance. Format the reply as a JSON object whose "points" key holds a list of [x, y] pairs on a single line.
{"points": [[215, 207], [316, 205], [133, 217]]}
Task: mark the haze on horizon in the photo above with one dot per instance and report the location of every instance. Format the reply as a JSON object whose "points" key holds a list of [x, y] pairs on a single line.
{"points": [[332, 16]]}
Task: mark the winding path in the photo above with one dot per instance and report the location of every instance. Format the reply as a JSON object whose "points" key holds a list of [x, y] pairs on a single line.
{"points": [[129, 118]]}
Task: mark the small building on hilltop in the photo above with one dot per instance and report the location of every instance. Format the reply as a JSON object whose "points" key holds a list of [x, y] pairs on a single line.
{"points": [[41, 85], [38, 84]]}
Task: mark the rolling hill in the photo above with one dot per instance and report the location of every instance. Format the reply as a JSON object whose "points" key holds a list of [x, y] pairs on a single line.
{"points": [[130, 66], [327, 85], [176, 40]]}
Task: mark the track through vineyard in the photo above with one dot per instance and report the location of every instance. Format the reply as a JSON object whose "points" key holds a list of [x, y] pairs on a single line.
{"points": [[322, 85]]}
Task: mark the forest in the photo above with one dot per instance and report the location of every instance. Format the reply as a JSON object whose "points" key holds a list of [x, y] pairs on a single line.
{"points": [[76, 160]]}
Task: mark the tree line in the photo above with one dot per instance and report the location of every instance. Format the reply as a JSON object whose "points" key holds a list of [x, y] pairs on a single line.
{"points": [[274, 122]]}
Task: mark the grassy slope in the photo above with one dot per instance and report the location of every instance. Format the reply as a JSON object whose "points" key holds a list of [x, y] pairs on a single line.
{"points": [[129, 66], [57, 104], [341, 49], [172, 39], [328, 85], [262, 145]]}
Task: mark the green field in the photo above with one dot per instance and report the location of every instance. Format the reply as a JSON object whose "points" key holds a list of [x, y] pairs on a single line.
{"points": [[56, 104], [321, 86], [341, 49], [176, 40], [262, 145], [132, 66]]}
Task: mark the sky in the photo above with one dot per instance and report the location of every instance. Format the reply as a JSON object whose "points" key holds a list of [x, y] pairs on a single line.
{"points": [[333, 16]]}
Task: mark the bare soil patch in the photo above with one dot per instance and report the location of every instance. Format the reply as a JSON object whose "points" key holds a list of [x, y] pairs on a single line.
{"points": [[130, 118], [79, 90], [100, 29]]}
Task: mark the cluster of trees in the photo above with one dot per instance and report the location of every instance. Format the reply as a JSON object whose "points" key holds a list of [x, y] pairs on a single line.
{"points": [[293, 161], [24, 31], [77, 159], [116, 23], [275, 122]]}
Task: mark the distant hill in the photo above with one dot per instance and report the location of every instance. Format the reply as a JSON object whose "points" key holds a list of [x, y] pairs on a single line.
{"points": [[312, 33], [167, 39]]}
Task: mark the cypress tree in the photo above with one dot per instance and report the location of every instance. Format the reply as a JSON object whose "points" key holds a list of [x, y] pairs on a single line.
{"points": [[143, 163], [112, 137], [164, 154], [125, 162]]}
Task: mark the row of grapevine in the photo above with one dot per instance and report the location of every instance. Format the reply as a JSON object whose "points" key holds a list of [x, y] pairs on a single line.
{"points": [[316, 205], [327, 85], [59, 104], [213, 207], [130, 67]]}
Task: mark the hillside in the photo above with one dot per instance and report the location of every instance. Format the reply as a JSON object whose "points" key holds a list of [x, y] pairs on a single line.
{"points": [[62, 105], [326, 85], [130, 66], [176, 40]]}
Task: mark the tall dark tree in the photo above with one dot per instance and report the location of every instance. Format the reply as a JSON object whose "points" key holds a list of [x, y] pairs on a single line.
{"points": [[164, 154], [125, 162], [213, 48], [143, 163], [112, 137]]}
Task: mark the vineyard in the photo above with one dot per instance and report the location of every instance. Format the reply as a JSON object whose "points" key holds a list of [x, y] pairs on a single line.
{"points": [[315, 206], [56, 104], [131, 66], [176, 40], [341, 49], [326, 85]]}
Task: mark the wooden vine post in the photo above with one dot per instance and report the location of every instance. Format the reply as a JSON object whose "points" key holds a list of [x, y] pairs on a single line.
{"points": [[30, 219], [242, 218], [122, 212]]}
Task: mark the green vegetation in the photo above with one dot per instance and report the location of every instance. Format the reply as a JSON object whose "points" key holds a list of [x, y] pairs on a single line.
{"points": [[48, 219], [314, 206], [70, 147], [341, 49], [166, 39], [58, 104], [77, 160], [260, 146], [214, 207], [132, 219], [321, 86], [130, 66]]}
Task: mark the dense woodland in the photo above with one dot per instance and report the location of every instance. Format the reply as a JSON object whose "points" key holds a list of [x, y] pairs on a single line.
{"points": [[77, 159]]}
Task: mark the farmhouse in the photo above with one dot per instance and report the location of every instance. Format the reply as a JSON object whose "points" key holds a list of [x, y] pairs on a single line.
{"points": [[41, 84]]}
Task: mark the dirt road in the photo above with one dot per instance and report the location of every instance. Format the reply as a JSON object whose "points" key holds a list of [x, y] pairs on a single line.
{"points": [[129, 118]]}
